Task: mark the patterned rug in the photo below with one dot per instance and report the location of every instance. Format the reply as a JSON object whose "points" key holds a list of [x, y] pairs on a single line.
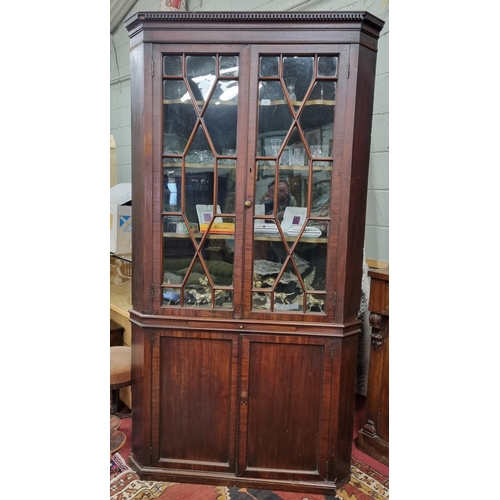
{"points": [[365, 484]]}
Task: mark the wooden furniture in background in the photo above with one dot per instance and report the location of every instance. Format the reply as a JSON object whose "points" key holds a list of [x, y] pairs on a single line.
{"points": [[373, 438], [120, 301], [120, 367], [115, 334], [244, 369]]}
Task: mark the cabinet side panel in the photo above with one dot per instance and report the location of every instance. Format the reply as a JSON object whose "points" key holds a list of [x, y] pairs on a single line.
{"points": [[141, 393], [140, 93], [363, 72], [195, 400]]}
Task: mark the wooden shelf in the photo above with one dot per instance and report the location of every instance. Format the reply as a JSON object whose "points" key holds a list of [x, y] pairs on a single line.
{"points": [[226, 166], [279, 102], [258, 237]]}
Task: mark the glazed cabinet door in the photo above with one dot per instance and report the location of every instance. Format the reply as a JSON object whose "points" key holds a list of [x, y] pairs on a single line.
{"points": [[297, 96], [201, 112], [194, 389], [285, 399], [250, 146]]}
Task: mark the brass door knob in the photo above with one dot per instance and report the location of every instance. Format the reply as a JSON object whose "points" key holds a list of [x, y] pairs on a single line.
{"points": [[248, 203]]}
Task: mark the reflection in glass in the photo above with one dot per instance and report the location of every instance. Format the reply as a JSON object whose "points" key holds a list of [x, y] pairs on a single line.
{"points": [[293, 183], [290, 286], [327, 65], [172, 65], [272, 146], [221, 115], [320, 202], [269, 66], [290, 87], [171, 186], [228, 65], [179, 116], [174, 224], [201, 76], [175, 91], [297, 155], [275, 117], [297, 74], [261, 300], [198, 262]]}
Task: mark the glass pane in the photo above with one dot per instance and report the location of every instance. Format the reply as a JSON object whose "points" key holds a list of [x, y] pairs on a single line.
{"points": [[226, 189], [297, 74], [178, 252], [199, 176], [327, 65], [275, 117], [171, 185], [293, 183], [261, 300], [300, 68], [317, 119], [201, 77], [315, 303], [172, 65], [269, 66], [320, 203], [278, 289], [179, 116], [228, 65], [197, 285], [286, 290], [175, 91], [218, 255], [264, 280], [221, 115], [199, 182], [319, 256], [174, 224]]}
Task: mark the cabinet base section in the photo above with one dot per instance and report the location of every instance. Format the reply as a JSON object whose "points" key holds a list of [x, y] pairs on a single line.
{"points": [[373, 445], [220, 479]]}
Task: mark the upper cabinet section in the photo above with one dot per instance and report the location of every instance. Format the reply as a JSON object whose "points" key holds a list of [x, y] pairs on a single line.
{"points": [[251, 136]]}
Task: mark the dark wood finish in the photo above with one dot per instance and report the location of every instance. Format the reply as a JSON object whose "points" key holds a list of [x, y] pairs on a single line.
{"points": [[373, 438], [244, 396], [115, 334]]}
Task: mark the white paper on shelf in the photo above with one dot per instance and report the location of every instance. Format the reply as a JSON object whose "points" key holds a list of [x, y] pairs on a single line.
{"points": [[309, 232], [265, 228]]}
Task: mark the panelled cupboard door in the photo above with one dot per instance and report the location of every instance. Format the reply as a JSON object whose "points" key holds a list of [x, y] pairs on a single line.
{"points": [[194, 382], [285, 400], [249, 143]]}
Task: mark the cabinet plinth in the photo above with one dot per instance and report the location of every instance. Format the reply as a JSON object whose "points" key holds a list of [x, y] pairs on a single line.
{"points": [[250, 147]]}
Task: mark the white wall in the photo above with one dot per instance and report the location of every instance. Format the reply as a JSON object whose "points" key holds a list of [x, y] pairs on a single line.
{"points": [[377, 218], [120, 125]]}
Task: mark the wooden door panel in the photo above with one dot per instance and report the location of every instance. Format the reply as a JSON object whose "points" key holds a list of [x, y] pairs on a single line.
{"points": [[197, 377], [284, 407]]}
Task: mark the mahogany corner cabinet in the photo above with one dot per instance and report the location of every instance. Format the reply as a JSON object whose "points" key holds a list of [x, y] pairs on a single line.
{"points": [[250, 149]]}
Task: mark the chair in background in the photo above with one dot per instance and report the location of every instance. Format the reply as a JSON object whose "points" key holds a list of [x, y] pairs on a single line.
{"points": [[120, 375]]}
